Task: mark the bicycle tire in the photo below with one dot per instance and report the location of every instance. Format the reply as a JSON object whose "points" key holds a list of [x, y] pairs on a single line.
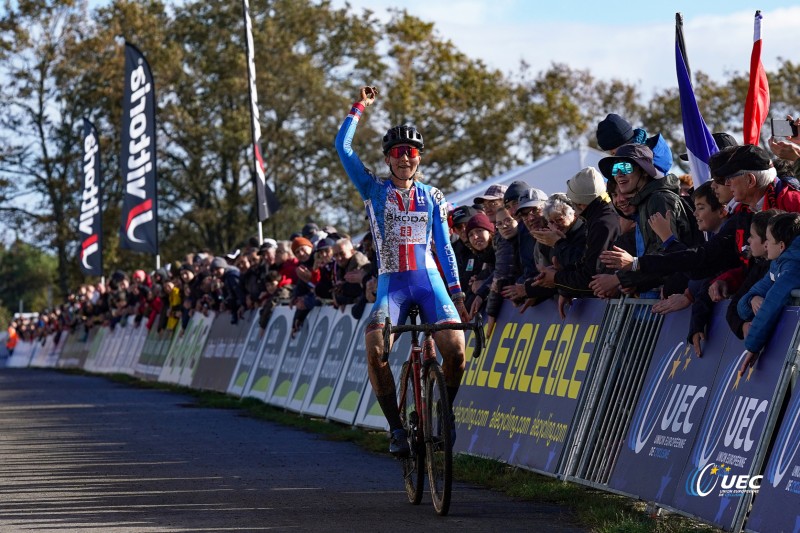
{"points": [[414, 464], [438, 439]]}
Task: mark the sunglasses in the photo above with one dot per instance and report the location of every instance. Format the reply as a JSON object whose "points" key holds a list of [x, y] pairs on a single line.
{"points": [[623, 167], [399, 151]]}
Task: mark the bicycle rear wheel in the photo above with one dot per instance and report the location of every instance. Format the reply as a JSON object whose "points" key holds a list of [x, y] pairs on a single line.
{"points": [[414, 464], [439, 439]]}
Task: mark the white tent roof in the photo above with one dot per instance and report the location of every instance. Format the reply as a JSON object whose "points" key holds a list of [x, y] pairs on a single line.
{"points": [[549, 174]]}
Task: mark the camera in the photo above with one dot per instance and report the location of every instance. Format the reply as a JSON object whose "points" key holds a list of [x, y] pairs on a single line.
{"points": [[783, 128]]}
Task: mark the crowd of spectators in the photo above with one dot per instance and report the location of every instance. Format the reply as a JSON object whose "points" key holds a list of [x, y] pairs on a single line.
{"points": [[626, 227]]}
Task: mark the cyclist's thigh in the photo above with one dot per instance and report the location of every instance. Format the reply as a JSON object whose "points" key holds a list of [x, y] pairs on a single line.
{"points": [[391, 300], [431, 294]]}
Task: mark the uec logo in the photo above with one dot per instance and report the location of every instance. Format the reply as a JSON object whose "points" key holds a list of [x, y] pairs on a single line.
{"points": [[702, 481]]}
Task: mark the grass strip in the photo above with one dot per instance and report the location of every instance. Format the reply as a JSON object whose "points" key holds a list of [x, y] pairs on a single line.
{"points": [[599, 511]]}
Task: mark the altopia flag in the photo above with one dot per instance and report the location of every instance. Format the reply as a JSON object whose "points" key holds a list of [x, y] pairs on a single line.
{"points": [[137, 160], [90, 222], [699, 141], [756, 106], [266, 199]]}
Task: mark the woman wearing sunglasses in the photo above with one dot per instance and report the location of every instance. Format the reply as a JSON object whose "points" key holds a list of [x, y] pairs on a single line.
{"points": [[632, 170], [407, 219]]}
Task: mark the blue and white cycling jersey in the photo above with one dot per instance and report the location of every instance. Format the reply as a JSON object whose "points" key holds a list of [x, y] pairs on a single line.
{"points": [[402, 232]]}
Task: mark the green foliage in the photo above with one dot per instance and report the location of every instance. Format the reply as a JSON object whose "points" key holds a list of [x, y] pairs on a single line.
{"points": [[27, 274]]}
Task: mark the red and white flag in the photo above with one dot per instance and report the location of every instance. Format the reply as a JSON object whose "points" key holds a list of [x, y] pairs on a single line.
{"points": [[756, 106]]}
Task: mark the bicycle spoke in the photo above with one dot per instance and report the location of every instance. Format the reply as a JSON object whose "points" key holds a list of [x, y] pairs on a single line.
{"points": [[414, 465], [438, 440]]}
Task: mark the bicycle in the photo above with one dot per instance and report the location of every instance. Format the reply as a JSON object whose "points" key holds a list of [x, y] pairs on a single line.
{"points": [[425, 410]]}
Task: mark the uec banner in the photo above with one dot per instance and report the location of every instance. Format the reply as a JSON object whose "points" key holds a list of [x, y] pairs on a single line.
{"points": [[777, 507], [669, 410], [720, 469], [517, 401]]}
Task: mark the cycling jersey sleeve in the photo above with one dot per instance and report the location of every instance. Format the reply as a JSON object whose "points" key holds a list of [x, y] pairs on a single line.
{"points": [[441, 238], [359, 175]]}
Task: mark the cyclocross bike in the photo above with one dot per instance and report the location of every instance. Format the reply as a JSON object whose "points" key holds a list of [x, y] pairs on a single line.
{"points": [[425, 410]]}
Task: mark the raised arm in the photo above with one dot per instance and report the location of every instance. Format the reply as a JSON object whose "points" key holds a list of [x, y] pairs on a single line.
{"points": [[344, 142]]}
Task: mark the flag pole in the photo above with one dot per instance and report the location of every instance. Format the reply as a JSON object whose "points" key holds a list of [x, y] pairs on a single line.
{"points": [[262, 207]]}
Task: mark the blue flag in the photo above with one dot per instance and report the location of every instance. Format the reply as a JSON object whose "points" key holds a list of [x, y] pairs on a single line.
{"points": [[699, 141]]}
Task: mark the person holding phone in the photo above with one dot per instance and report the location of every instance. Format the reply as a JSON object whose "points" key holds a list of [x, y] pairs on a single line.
{"points": [[407, 219], [785, 142]]}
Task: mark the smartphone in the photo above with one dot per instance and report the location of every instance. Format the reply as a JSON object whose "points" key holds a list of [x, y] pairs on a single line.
{"points": [[783, 128]]}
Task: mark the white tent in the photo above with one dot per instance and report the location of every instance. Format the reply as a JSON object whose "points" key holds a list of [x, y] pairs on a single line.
{"points": [[549, 174]]}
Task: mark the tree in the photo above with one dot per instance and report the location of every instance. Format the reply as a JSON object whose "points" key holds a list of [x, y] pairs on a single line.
{"points": [[26, 275], [463, 108]]}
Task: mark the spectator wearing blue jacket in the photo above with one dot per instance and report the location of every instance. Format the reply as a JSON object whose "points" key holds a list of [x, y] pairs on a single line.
{"points": [[765, 301]]}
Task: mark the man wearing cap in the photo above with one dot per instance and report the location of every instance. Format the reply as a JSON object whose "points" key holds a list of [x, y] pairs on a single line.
{"points": [[407, 219], [231, 287], [587, 191], [491, 200], [529, 212], [750, 174]]}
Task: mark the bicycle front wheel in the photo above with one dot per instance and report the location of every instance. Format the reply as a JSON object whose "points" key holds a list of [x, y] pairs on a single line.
{"points": [[414, 464], [439, 439]]}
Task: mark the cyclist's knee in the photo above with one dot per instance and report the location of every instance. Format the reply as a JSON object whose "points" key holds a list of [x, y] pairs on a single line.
{"points": [[374, 344]]}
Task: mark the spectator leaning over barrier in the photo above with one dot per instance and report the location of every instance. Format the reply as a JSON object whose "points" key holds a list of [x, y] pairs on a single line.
{"points": [[466, 258], [322, 269], [587, 192], [753, 180], [530, 213], [565, 233], [232, 294], [507, 268], [350, 269], [480, 231], [286, 263], [633, 171], [303, 297], [765, 301], [275, 295], [757, 267]]}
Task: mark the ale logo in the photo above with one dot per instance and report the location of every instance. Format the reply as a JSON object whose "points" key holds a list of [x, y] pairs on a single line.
{"points": [[703, 481], [667, 403], [786, 445]]}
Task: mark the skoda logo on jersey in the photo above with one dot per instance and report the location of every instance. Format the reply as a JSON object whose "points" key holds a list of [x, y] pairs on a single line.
{"points": [[669, 405], [731, 418], [786, 447], [408, 217]]}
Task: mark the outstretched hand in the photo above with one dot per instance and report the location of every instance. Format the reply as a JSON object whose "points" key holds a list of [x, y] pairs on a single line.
{"points": [[368, 94]]}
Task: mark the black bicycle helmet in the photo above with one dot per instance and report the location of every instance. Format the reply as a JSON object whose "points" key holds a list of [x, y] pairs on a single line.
{"points": [[402, 134]]}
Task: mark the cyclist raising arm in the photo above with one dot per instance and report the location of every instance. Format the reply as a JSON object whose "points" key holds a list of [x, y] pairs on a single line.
{"points": [[406, 219]]}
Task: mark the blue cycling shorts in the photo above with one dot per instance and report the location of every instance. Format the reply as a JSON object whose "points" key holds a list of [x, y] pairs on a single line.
{"points": [[398, 291]]}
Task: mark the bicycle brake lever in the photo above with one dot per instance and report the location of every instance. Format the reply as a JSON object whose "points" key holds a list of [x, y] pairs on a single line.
{"points": [[387, 335]]}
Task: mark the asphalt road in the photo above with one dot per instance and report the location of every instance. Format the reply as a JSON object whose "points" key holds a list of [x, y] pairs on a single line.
{"points": [[82, 453]]}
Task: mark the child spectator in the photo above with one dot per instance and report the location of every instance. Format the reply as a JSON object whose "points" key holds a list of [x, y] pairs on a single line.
{"points": [[757, 267], [764, 302]]}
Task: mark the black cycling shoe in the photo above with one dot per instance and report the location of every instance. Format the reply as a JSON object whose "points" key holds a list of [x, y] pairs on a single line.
{"points": [[398, 443]]}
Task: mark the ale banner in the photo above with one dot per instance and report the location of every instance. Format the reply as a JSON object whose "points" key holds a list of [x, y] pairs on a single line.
{"points": [[137, 160], [89, 225]]}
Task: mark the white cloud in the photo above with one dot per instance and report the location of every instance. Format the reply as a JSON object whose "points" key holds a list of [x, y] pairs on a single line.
{"points": [[501, 35]]}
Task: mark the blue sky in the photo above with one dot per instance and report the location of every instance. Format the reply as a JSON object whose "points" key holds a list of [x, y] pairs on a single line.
{"points": [[612, 38]]}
